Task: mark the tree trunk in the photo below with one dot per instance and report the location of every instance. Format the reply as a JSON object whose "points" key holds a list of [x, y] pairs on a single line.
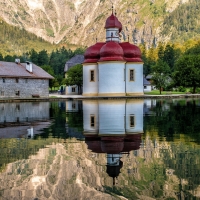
{"points": [[79, 89], [160, 89], [194, 89]]}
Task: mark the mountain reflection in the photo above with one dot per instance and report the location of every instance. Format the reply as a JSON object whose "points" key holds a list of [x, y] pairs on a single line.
{"points": [[105, 149]]}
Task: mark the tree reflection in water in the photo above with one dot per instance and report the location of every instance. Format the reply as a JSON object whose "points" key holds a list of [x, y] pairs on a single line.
{"points": [[149, 148]]}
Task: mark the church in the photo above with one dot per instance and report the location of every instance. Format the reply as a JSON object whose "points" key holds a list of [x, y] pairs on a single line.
{"points": [[112, 68]]}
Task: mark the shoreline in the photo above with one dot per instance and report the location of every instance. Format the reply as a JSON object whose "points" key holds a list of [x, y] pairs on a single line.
{"points": [[56, 97]]}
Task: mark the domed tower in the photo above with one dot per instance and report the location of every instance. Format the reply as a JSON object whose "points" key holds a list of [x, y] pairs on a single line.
{"points": [[134, 69], [112, 68], [90, 70], [111, 63], [113, 27]]}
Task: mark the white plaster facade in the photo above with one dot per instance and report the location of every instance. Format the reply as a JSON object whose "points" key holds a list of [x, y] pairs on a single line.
{"points": [[111, 78], [90, 86], [147, 88], [117, 68], [112, 117]]}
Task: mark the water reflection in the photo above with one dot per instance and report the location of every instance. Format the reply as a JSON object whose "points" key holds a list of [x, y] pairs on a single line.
{"points": [[113, 127], [107, 149], [23, 119]]}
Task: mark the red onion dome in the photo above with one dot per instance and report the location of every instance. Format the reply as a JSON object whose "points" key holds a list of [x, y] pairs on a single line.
{"points": [[112, 145], [94, 144], [111, 51], [92, 53], [132, 142], [132, 53], [113, 22]]}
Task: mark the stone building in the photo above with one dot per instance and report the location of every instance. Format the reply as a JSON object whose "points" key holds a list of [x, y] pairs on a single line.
{"points": [[23, 80]]}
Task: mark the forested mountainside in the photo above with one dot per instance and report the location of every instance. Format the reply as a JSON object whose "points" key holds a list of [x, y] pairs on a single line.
{"points": [[80, 22], [17, 41], [183, 23]]}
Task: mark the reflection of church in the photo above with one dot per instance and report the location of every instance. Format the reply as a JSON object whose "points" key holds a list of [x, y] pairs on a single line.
{"points": [[113, 127]]}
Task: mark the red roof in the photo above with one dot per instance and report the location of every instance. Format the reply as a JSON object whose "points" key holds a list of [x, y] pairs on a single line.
{"points": [[113, 22], [111, 51], [132, 53], [92, 53]]}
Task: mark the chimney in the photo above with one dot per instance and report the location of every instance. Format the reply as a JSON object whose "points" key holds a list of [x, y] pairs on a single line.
{"points": [[17, 60], [29, 66]]}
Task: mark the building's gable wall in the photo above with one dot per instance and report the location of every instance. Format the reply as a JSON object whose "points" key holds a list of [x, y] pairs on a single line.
{"points": [[26, 87], [71, 90], [90, 87], [147, 88], [135, 86], [111, 78]]}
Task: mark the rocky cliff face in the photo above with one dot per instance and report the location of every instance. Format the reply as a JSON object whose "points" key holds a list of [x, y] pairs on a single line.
{"points": [[82, 21], [71, 171]]}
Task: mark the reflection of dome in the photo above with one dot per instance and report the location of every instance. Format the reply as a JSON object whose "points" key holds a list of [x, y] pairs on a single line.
{"points": [[92, 54], [132, 142], [132, 53], [111, 51], [113, 22], [112, 145], [94, 144], [114, 171]]}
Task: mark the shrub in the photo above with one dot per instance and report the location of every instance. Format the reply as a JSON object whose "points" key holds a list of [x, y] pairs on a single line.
{"points": [[182, 89]]}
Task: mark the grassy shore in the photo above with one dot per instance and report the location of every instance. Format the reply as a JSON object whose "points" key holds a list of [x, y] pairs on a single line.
{"points": [[157, 92]]}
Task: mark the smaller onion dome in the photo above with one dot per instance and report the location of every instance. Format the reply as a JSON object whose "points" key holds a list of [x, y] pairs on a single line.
{"points": [[111, 51], [92, 53], [132, 53], [113, 22]]}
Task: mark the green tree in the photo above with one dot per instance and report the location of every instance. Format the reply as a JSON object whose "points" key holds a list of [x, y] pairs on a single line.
{"points": [[160, 73], [75, 76], [160, 51], [146, 66], [169, 56], [150, 60], [43, 58], [80, 50], [52, 82], [33, 56], [1, 57], [195, 50], [187, 71], [9, 58]]}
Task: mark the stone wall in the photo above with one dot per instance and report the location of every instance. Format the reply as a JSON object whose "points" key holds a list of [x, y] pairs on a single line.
{"points": [[24, 112], [23, 87]]}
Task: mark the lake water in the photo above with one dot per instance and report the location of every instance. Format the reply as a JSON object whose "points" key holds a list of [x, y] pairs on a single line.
{"points": [[100, 149]]}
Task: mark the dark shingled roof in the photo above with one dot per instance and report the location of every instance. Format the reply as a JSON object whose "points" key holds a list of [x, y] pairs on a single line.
{"points": [[145, 82], [12, 69], [77, 59]]}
